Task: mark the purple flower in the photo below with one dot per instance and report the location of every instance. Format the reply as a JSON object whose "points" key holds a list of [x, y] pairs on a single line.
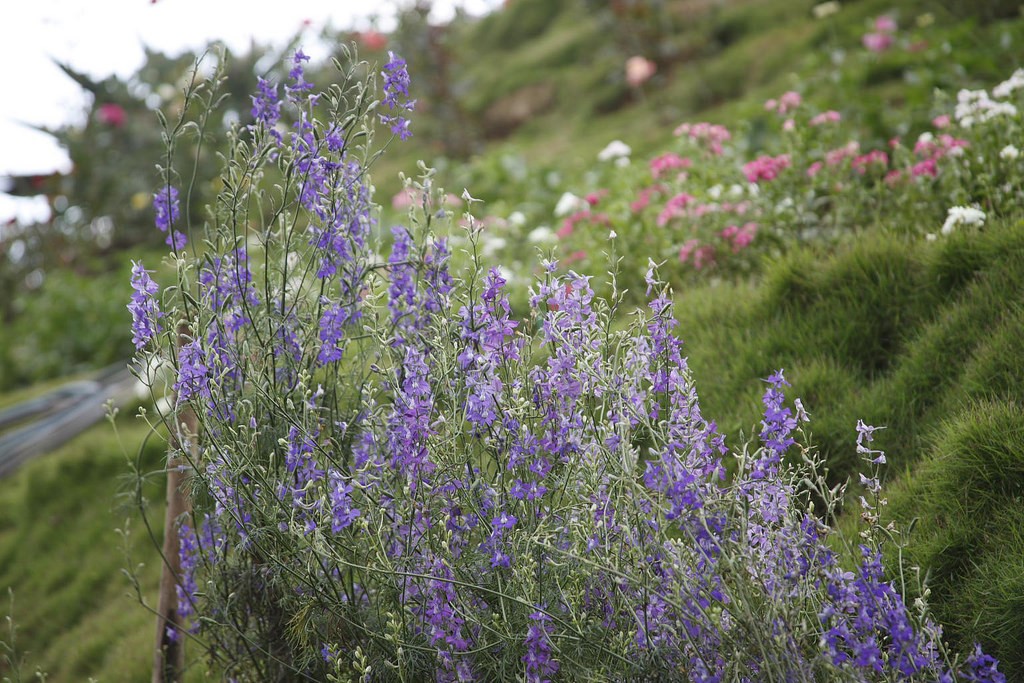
{"points": [[165, 204], [144, 308], [504, 521], [266, 107], [193, 373], [297, 75], [982, 668], [188, 556], [540, 663], [396, 88], [332, 333], [342, 511]]}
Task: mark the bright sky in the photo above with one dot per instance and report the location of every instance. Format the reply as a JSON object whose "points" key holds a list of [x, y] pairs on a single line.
{"points": [[106, 36]]}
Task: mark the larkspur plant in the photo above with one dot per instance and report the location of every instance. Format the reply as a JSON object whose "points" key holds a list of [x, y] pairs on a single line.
{"points": [[398, 477]]}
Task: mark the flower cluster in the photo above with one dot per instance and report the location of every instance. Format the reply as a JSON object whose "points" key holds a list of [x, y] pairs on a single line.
{"points": [[144, 308], [396, 96], [165, 204]]}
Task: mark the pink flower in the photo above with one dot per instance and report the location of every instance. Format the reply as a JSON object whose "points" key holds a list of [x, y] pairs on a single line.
{"points": [[674, 207], [573, 258], [703, 256], [877, 42], [927, 167], [893, 177], [874, 157], [594, 197], [789, 101], [643, 198], [639, 70], [111, 114], [836, 156], [765, 168], [667, 162], [710, 133], [941, 121], [830, 116], [885, 24], [744, 237], [739, 237], [813, 169], [789, 125], [687, 249]]}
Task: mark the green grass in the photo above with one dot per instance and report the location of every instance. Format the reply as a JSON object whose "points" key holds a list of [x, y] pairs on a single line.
{"points": [[62, 556], [927, 340]]}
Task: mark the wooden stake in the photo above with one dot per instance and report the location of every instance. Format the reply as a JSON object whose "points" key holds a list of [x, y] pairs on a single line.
{"points": [[169, 658]]}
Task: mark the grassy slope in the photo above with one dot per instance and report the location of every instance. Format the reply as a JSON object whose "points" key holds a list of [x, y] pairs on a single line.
{"points": [[923, 338], [61, 554]]}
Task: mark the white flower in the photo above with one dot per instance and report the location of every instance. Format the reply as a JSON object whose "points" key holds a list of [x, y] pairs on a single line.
{"points": [[962, 215], [1009, 152], [569, 203], [825, 9], [736, 191], [1014, 82], [973, 106], [616, 149], [492, 245], [784, 205], [612, 235], [622, 162], [541, 234], [516, 219], [715, 192], [931, 237]]}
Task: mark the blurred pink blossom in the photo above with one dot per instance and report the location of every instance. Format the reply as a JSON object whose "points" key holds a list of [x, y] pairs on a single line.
{"points": [[885, 24], [111, 114], [711, 133], [830, 116], [667, 162], [786, 103], [941, 121], [875, 157], [639, 70], [765, 168], [877, 42], [674, 207]]}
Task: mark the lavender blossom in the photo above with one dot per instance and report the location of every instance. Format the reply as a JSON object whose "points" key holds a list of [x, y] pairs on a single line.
{"points": [[144, 307], [165, 204], [193, 373], [396, 89], [539, 659]]}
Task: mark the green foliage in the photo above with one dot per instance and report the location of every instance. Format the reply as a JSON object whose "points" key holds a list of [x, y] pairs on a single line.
{"points": [[74, 321]]}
